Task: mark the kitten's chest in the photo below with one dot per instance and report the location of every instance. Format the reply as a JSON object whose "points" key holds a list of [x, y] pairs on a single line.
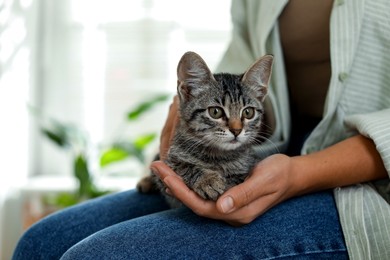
{"points": [[226, 164]]}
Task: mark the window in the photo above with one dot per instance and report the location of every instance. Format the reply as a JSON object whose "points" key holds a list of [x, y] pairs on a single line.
{"points": [[17, 79], [88, 62]]}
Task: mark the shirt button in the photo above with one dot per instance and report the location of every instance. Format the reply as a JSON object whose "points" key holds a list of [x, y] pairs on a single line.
{"points": [[339, 2], [343, 76]]}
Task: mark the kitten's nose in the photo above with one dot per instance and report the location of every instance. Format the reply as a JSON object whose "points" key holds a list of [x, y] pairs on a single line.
{"points": [[235, 126], [235, 132]]}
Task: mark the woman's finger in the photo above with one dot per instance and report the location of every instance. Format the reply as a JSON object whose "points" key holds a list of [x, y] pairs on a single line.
{"points": [[169, 128]]}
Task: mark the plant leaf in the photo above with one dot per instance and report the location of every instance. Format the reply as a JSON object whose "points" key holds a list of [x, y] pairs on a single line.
{"points": [[58, 137], [63, 200], [141, 142], [114, 154], [95, 192], [73, 134], [81, 172], [145, 106], [131, 150]]}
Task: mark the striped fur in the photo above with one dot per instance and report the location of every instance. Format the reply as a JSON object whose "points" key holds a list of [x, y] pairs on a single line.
{"points": [[213, 154]]}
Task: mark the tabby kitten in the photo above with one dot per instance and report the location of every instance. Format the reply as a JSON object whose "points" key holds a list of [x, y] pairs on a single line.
{"points": [[221, 118]]}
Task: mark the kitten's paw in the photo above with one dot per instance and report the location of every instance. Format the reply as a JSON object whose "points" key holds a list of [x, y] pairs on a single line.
{"points": [[147, 185], [210, 186]]}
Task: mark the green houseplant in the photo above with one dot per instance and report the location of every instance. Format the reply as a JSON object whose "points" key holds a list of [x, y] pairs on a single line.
{"points": [[75, 141]]}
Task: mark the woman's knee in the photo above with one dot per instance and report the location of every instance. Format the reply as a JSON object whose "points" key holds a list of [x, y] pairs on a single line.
{"points": [[34, 244]]}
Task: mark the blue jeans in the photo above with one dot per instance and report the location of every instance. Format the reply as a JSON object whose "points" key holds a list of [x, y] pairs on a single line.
{"points": [[129, 225]]}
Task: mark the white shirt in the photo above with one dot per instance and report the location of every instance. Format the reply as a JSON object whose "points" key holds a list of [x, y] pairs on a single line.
{"points": [[358, 101]]}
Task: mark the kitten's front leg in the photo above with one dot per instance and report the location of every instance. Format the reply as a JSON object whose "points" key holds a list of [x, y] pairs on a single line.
{"points": [[210, 185], [147, 185]]}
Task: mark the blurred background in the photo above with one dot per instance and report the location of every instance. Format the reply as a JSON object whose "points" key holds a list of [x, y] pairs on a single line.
{"points": [[85, 87]]}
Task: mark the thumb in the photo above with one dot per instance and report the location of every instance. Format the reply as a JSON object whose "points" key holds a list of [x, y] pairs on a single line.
{"points": [[237, 197]]}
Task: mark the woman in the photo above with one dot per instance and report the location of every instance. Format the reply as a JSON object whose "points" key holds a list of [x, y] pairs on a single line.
{"points": [[330, 86]]}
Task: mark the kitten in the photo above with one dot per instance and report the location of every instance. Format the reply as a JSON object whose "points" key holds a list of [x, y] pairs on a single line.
{"points": [[221, 119]]}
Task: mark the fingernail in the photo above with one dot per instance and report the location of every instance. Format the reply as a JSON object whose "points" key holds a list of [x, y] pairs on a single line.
{"points": [[169, 192], [227, 204], [155, 171]]}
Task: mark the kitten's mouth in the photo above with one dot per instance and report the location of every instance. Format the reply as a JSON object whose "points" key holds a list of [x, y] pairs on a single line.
{"points": [[234, 141], [231, 144]]}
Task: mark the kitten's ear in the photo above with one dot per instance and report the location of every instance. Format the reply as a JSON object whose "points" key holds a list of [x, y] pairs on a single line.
{"points": [[258, 75], [192, 71]]}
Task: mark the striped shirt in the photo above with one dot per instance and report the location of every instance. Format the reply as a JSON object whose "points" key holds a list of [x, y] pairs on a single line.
{"points": [[358, 101]]}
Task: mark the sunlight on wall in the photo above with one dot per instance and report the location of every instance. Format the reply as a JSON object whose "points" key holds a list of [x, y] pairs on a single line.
{"points": [[15, 86], [89, 65], [14, 95], [93, 77], [107, 11], [11, 39], [93, 67], [101, 61], [13, 114]]}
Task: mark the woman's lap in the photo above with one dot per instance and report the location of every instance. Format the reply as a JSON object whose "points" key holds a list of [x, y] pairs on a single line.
{"points": [[52, 236], [134, 226]]}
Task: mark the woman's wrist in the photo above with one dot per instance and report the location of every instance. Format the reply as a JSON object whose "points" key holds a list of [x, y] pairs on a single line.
{"points": [[351, 161], [300, 184]]}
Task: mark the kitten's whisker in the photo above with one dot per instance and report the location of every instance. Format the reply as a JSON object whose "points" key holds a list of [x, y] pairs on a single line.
{"points": [[256, 141], [269, 128]]}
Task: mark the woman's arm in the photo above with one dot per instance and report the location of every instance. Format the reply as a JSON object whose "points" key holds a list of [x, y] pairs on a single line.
{"points": [[280, 177], [354, 160]]}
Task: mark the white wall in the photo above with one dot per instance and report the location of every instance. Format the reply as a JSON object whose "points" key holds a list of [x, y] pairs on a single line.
{"points": [[18, 75]]}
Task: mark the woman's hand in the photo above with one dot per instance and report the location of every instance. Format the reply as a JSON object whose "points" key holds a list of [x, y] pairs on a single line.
{"points": [[279, 177], [169, 128], [269, 184]]}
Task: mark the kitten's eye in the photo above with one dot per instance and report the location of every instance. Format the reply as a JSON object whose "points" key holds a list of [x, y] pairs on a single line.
{"points": [[248, 113], [215, 112]]}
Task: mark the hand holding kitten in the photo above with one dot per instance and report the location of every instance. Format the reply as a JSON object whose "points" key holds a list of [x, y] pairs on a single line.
{"points": [[243, 203], [211, 145]]}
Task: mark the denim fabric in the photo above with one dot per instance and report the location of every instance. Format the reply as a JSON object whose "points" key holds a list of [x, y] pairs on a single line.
{"points": [[130, 225]]}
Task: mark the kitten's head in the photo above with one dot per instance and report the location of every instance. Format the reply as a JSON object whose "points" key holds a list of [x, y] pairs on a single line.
{"points": [[223, 111]]}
